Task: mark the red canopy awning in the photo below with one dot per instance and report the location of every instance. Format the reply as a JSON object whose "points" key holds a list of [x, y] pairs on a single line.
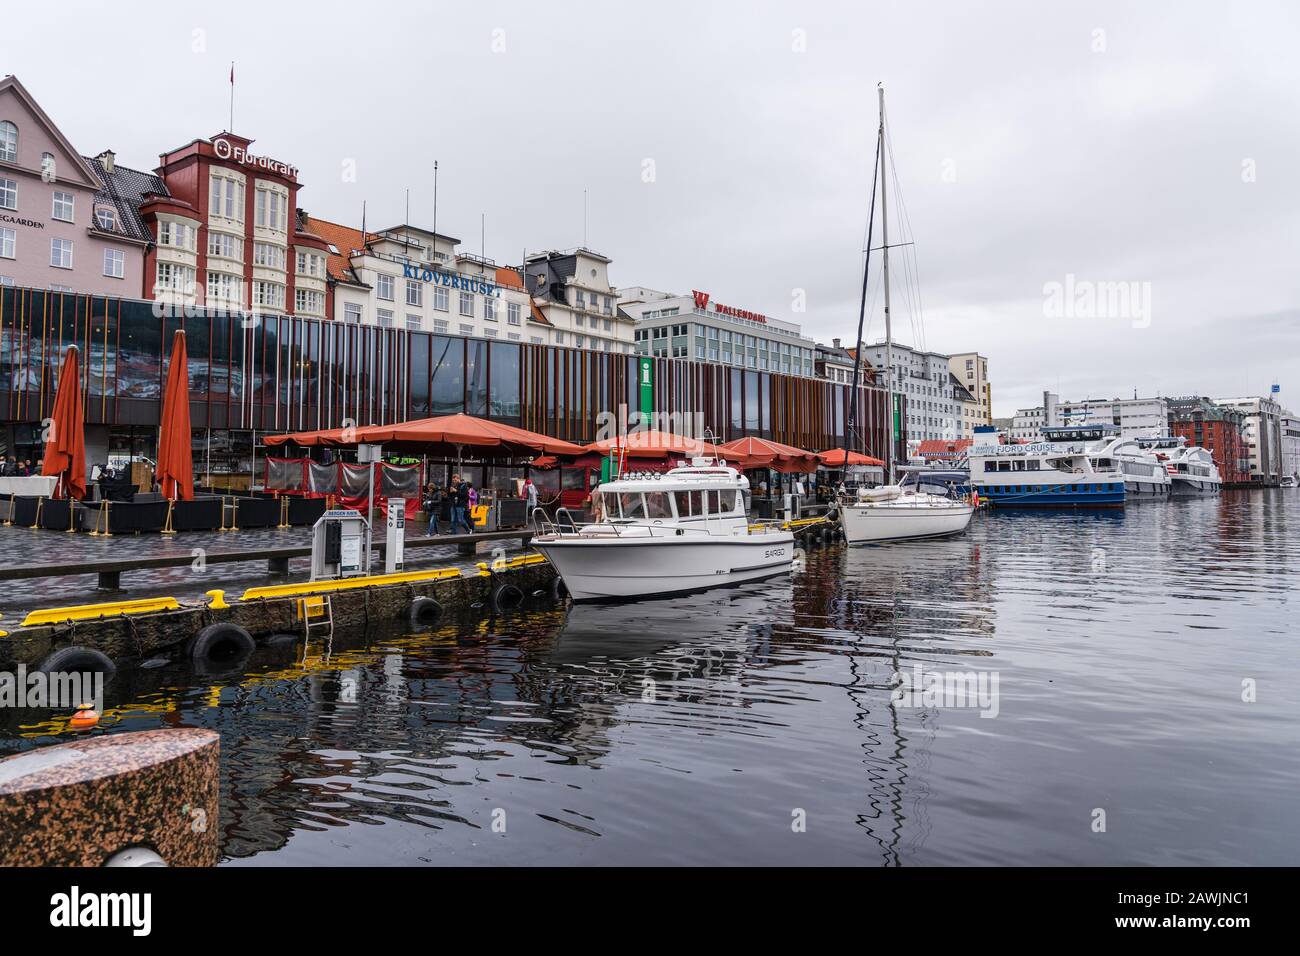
{"points": [[835, 458], [175, 469], [445, 434], [764, 453], [65, 445]]}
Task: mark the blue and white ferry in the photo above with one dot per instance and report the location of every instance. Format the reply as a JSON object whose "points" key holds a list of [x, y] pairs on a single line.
{"points": [[1057, 472]]}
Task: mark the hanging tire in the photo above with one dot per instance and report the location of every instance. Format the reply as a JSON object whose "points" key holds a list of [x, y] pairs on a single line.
{"points": [[506, 597], [559, 590], [425, 612], [221, 644], [78, 660]]}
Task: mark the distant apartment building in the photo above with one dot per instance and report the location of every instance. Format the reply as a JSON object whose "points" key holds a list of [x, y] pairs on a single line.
{"points": [[1262, 430], [1135, 417], [836, 364], [61, 226], [1217, 428], [935, 408], [1290, 427], [972, 370], [1026, 424], [576, 305], [697, 326]]}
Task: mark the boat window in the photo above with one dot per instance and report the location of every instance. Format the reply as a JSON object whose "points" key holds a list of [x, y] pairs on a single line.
{"points": [[604, 505], [683, 501], [1019, 464], [697, 503], [656, 505], [726, 501], [1033, 464], [631, 504]]}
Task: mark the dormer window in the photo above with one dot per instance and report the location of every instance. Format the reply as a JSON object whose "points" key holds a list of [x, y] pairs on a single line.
{"points": [[106, 218], [8, 142]]}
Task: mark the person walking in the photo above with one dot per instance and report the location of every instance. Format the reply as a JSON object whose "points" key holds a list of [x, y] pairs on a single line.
{"points": [[432, 505], [530, 495], [460, 505]]}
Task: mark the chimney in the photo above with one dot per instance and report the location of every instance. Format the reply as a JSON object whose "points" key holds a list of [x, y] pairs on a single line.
{"points": [[107, 157], [835, 342]]}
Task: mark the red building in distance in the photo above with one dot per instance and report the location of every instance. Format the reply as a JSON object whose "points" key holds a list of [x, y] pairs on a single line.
{"points": [[230, 234], [1216, 429]]}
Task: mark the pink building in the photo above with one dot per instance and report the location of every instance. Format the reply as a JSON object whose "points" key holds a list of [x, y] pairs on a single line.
{"points": [[62, 223]]}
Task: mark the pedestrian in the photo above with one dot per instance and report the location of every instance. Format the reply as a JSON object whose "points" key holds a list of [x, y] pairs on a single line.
{"points": [[432, 505], [530, 494], [460, 505], [27, 467], [9, 468]]}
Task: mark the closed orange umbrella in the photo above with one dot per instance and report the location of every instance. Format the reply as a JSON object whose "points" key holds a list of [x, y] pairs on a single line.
{"points": [[65, 448], [175, 469]]}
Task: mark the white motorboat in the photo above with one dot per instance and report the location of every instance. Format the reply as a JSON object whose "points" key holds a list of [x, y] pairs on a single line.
{"points": [[904, 512], [1191, 468], [1057, 472], [654, 535], [1145, 476], [1288, 481]]}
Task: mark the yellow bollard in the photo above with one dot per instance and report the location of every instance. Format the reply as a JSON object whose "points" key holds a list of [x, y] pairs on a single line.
{"points": [[218, 602]]}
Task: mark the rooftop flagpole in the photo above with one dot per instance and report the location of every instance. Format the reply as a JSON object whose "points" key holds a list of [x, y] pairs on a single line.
{"points": [[231, 127]]}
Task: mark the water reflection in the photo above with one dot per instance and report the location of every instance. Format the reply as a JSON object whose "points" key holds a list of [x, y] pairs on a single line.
{"points": [[703, 729]]}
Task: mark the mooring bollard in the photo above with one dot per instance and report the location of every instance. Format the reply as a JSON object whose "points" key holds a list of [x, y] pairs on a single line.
{"points": [[125, 799]]}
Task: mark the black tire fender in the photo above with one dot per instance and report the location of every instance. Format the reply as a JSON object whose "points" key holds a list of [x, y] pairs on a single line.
{"points": [[424, 612], [506, 597], [78, 660], [559, 590], [220, 643]]}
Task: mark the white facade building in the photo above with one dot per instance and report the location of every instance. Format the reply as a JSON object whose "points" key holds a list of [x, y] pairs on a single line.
{"points": [[412, 278], [934, 410], [1290, 428], [1135, 417], [579, 307], [696, 327], [1027, 424], [1262, 431]]}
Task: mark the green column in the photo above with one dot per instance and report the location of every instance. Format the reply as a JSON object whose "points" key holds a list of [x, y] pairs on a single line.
{"points": [[645, 370]]}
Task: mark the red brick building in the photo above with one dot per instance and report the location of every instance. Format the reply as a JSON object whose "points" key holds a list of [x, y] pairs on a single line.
{"points": [[1216, 429], [230, 234]]}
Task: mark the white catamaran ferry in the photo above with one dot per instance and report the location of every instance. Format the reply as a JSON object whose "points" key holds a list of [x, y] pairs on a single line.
{"points": [[658, 534], [1057, 472], [1144, 475], [1191, 468]]}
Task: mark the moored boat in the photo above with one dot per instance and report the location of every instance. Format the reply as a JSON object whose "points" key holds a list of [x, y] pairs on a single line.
{"points": [[1144, 475], [1191, 468], [653, 535], [904, 512], [1057, 472]]}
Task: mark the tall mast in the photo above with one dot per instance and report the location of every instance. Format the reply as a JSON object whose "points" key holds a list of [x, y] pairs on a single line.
{"points": [[889, 332]]}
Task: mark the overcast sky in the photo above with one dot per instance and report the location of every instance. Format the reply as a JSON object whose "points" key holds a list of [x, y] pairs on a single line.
{"points": [[727, 147]]}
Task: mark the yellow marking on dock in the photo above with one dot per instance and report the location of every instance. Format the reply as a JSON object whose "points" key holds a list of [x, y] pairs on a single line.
{"points": [[313, 606], [523, 561], [348, 584], [86, 612]]}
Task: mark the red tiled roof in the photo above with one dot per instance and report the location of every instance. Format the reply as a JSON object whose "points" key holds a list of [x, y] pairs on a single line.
{"points": [[509, 277], [344, 239], [936, 447]]}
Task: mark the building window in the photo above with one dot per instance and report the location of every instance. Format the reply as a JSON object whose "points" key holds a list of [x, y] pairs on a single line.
{"points": [[513, 336], [61, 253], [8, 242], [489, 308], [535, 339], [269, 255], [512, 313], [64, 205], [440, 325], [489, 333], [384, 288], [309, 301], [224, 287], [272, 210], [268, 294], [466, 329], [176, 234], [466, 303], [578, 340], [225, 246], [8, 194], [384, 317], [6, 280], [311, 264], [173, 277], [226, 198], [114, 263], [8, 142], [559, 337], [107, 219], [352, 312], [414, 293], [414, 321], [440, 299]]}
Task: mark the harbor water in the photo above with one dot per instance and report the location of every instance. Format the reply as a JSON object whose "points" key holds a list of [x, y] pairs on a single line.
{"points": [[1132, 681]]}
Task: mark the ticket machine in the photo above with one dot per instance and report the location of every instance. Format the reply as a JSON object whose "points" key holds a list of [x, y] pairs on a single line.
{"points": [[338, 545]]}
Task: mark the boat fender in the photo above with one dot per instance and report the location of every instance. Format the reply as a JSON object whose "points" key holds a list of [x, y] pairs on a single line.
{"points": [[506, 597], [80, 660], [559, 590], [425, 612], [221, 643]]}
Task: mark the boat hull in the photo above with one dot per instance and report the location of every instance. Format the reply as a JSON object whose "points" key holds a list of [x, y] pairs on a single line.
{"points": [[625, 569], [1192, 487], [1077, 494], [869, 524]]}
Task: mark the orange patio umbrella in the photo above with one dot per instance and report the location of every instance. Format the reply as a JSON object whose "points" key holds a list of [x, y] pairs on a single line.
{"points": [[65, 446], [764, 453], [175, 469], [835, 458], [443, 434], [654, 444]]}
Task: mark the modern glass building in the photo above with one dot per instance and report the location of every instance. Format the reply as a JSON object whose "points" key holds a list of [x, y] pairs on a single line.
{"points": [[250, 375]]}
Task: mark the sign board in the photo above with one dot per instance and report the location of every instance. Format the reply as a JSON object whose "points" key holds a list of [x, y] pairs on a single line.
{"points": [[395, 540], [646, 383]]}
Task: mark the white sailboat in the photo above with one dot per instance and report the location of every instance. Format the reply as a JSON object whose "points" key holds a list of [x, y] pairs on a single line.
{"points": [[894, 512]]}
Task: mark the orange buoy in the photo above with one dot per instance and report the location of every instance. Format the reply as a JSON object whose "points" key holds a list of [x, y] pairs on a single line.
{"points": [[85, 717]]}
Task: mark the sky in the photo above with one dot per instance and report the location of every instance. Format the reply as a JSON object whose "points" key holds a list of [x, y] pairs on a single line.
{"points": [[1101, 198]]}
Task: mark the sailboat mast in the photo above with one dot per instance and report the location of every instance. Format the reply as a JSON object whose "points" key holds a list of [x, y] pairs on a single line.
{"points": [[889, 331]]}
